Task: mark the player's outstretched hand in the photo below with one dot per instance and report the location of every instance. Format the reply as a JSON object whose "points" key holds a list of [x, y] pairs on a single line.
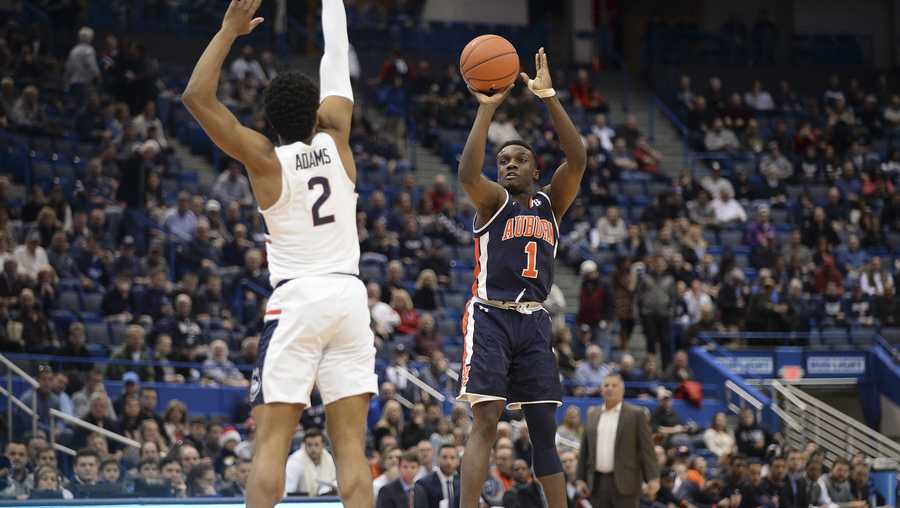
{"points": [[239, 18], [541, 81], [494, 99]]}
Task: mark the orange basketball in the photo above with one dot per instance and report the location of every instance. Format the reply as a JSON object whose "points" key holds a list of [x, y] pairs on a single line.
{"points": [[489, 63]]}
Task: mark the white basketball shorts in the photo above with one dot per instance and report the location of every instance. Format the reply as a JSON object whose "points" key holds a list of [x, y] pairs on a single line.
{"points": [[316, 332]]}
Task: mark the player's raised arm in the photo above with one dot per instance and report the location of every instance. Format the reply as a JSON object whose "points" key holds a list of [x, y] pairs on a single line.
{"points": [[239, 142], [335, 90], [567, 178], [487, 196]]}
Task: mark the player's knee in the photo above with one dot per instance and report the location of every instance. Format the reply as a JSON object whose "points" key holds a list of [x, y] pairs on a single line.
{"points": [[541, 420], [352, 485], [268, 487], [487, 414]]}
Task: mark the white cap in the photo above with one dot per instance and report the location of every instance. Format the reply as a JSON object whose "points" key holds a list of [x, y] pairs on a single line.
{"points": [[588, 266]]}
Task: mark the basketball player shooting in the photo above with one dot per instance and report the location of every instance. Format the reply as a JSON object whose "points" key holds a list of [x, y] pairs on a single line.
{"points": [[317, 320], [507, 359]]}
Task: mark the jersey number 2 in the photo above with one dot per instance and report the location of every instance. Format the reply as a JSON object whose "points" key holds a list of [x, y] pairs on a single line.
{"points": [[318, 220], [530, 270]]}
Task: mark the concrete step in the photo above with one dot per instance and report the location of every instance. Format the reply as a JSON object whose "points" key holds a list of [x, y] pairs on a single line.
{"points": [[206, 173]]}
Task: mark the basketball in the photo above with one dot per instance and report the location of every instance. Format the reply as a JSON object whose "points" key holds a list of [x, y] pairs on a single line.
{"points": [[489, 63]]}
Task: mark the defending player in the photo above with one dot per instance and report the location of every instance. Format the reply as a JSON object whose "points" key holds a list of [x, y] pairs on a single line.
{"points": [[317, 321], [507, 359]]}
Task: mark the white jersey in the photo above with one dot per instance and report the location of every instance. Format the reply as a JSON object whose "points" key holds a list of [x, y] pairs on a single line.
{"points": [[312, 227]]}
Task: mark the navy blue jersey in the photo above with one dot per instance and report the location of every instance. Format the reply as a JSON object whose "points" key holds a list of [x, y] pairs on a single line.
{"points": [[515, 252]]}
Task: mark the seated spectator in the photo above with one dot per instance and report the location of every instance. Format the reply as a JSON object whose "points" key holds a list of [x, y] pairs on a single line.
{"points": [[502, 129], [220, 369], [525, 492], [835, 486], [119, 304], [16, 453], [403, 306], [437, 375], [700, 210], [47, 484], [590, 373], [201, 481], [394, 494], [720, 139], [133, 349], [384, 317], [715, 183], [427, 294], [774, 166], [759, 99], [87, 473], [604, 132], [31, 258], [568, 434], [389, 468], [427, 339], [752, 439], [679, 371], [665, 419], [648, 158], [727, 209], [875, 278], [610, 230], [28, 113], [718, 438], [36, 327], [696, 299], [621, 159], [181, 220], [185, 331]]}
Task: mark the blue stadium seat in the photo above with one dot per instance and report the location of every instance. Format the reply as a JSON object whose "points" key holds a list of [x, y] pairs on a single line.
{"points": [[97, 332], [93, 302], [69, 300]]}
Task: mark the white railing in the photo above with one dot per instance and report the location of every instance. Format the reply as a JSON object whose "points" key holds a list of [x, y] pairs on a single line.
{"points": [[808, 419], [12, 400], [745, 399], [422, 385]]}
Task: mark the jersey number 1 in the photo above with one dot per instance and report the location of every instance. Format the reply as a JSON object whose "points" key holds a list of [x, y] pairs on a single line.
{"points": [[318, 220], [530, 270]]}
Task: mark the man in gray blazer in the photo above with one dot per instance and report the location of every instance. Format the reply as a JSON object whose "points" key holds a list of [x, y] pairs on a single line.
{"points": [[616, 453]]}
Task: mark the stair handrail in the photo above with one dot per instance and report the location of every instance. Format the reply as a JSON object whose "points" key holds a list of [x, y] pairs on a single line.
{"points": [[808, 417], [422, 385], [11, 369]]}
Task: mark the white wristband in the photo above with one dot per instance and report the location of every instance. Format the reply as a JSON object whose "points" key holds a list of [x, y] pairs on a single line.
{"points": [[546, 93]]}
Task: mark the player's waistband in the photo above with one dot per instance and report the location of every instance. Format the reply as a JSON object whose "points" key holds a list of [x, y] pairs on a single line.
{"points": [[523, 307], [285, 281]]}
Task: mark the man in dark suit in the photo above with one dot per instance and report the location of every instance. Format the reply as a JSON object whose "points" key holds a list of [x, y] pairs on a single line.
{"points": [[795, 488], [400, 493], [789, 489], [441, 484], [616, 452]]}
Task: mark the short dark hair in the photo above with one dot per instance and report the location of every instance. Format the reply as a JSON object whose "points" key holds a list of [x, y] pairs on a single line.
{"points": [[446, 445], [169, 460], [409, 456], [840, 460], [515, 142], [110, 461], [291, 104], [311, 433], [87, 452]]}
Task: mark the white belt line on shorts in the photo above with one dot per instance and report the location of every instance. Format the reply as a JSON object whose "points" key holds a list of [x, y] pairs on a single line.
{"points": [[521, 307]]}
